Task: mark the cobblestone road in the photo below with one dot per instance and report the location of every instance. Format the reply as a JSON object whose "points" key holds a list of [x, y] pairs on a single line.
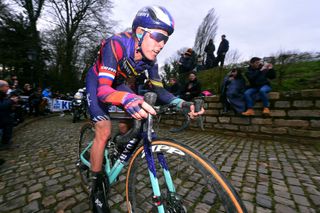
{"points": [[270, 176]]}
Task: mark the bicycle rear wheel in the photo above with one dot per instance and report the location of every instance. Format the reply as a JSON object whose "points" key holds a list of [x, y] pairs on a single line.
{"points": [[199, 186], [86, 137]]}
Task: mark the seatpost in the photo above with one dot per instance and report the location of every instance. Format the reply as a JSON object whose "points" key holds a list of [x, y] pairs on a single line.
{"points": [[150, 98]]}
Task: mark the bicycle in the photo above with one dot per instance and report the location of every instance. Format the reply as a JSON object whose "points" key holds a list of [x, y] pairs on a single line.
{"points": [[189, 182]]}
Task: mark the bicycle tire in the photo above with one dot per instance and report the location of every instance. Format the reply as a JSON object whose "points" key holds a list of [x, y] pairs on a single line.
{"points": [[186, 170], [86, 136]]}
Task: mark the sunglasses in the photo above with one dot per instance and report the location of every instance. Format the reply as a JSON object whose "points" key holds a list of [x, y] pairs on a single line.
{"points": [[156, 35]]}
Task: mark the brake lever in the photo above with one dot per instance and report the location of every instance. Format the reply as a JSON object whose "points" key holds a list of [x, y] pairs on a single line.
{"points": [[150, 98]]}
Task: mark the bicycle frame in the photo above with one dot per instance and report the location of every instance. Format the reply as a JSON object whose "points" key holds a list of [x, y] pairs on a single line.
{"points": [[146, 136]]}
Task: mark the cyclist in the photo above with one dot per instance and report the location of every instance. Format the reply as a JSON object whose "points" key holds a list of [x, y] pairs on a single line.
{"points": [[122, 57]]}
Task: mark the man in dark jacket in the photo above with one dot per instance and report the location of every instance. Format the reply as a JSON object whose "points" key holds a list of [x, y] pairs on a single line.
{"points": [[6, 120], [259, 76], [222, 50], [35, 102]]}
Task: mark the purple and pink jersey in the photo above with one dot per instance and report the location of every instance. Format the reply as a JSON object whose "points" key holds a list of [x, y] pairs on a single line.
{"points": [[106, 79]]}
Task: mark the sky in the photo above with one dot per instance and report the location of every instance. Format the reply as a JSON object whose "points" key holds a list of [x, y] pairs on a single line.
{"points": [[253, 28]]}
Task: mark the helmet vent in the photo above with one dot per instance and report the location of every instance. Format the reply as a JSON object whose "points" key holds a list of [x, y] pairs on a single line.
{"points": [[153, 15]]}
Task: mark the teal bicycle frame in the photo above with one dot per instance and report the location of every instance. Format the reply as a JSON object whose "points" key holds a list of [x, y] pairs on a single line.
{"points": [[113, 172]]}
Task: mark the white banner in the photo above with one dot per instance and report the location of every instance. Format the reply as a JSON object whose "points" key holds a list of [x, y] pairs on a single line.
{"points": [[60, 105], [63, 105]]}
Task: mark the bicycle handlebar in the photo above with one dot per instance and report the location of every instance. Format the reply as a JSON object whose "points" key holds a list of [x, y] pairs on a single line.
{"points": [[150, 98]]}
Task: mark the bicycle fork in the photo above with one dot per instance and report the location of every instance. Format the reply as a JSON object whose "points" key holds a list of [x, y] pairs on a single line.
{"points": [[171, 199], [157, 199]]}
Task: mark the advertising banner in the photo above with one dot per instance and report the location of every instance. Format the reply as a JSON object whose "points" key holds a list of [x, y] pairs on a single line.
{"points": [[60, 105]]}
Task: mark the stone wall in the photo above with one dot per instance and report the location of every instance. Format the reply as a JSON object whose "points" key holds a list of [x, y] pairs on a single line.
{"points": [[295, 116]]}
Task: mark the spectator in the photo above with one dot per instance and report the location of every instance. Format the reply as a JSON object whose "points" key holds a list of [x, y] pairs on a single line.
{"points": [[24, 98], [14, 86], [222, 50], [6, 119], [35, 101], [12, 79], [187, 62], [47, 99], [259, 77], [192, 88], [46, 93], [174, 87], [232, 92], [17, 108], [57, 95], [209, 49], [27, 90], [199, 63]]}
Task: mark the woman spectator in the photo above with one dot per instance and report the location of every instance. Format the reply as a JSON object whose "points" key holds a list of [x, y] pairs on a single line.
{"points": [[232, 92], [192, 88], [209, 49]]}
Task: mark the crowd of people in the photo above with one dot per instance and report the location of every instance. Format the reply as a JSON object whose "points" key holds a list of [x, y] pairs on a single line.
{"points": [[239, 91], [190, 63], [18, 102], [239, 96], [211, 59]]}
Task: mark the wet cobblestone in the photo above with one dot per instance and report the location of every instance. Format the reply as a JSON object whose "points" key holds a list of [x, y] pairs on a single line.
{"points": [[270, 176]]}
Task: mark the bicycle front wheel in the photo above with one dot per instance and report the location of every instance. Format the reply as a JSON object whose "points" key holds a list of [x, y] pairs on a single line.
{"points": [[199, 186]]}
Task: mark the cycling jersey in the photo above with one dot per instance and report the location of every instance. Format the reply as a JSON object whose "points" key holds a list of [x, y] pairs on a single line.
{"points": [[106, 79]]}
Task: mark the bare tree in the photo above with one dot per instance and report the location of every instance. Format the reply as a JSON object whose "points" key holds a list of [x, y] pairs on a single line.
{"points": [[171, 67], [79, 24], [206, 31], [31, 10], [233, 57]]}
